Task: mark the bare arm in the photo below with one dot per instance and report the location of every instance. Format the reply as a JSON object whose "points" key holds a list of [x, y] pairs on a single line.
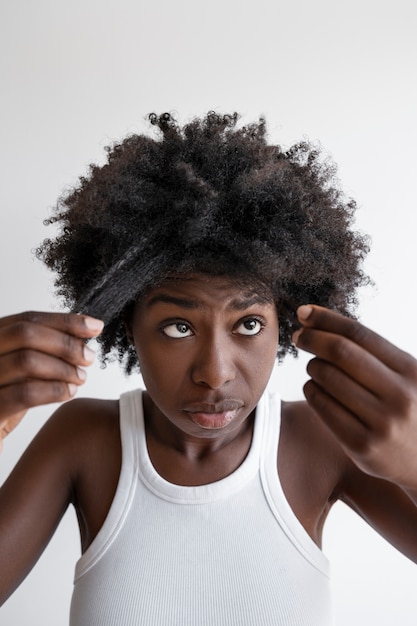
{"points": [[365, 391], [41, 355], [32, 502]]}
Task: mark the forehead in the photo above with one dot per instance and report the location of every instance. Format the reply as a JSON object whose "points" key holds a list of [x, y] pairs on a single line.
{"points": [[199, 291]]}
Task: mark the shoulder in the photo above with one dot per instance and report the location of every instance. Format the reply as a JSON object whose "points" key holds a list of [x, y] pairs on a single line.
{"points": [[300, 420], [309, 446], [87, 432], [82, 414], [78, 417], [315, 472], [76, 431]]}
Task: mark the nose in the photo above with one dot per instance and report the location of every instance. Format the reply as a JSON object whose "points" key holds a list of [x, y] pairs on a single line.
{"points": [[214, 364]]}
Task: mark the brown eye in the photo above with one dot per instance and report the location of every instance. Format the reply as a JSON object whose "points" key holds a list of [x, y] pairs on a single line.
{"points": [[250, 326], [177, 330]]}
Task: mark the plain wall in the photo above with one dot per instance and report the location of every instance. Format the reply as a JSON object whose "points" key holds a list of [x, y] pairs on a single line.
{"points": [[78, 75]]}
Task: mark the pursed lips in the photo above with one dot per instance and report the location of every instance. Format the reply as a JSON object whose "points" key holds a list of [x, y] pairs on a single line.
{"points": [[213, 415], [223, 406]]}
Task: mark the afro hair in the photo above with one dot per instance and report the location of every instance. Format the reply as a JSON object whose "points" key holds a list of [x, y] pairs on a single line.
{"points": [[209, 197]]}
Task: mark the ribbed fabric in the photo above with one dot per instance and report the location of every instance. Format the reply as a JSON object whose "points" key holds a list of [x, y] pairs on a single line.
{"points": [[231, 553]]}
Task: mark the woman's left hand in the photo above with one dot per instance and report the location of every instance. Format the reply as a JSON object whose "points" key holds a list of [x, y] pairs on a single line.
{"points": [[365, 390]]}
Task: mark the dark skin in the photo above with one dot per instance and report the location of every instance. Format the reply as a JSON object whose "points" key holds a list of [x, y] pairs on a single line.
{"points": [[206, 351]]}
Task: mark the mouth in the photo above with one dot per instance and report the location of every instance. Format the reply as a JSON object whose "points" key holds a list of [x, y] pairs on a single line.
{"points": [[212, 415]]}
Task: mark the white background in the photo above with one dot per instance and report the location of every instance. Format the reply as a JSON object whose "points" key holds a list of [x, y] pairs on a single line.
{"points": [[78, 75]]}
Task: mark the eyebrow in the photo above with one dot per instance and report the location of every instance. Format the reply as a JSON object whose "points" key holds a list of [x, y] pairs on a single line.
{"points": [[235, 305], [181, 302]]}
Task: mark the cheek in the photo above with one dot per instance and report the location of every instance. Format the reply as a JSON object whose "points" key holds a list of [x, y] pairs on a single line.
{"points": [[267, 356], [150, 359], [264, 364], [160, 368], [256, 362]]}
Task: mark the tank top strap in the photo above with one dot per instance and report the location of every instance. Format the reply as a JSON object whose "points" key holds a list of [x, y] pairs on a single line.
{"points": [[126, 486], [273, 490]]}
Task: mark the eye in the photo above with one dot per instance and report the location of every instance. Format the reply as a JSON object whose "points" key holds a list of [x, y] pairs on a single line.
{"points": [[177, 330], [250, 326]]}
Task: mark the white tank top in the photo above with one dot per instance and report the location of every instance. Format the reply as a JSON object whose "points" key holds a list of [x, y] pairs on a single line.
{"points": [[230, 553]]}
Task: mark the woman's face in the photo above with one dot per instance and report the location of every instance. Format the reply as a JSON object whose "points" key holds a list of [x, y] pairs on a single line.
{"points": [[206, 350]]}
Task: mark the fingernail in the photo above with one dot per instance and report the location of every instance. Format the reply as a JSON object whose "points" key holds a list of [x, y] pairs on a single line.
{"points": [[304, 311], [82, 375], [89, 355], [94, 324], [72, 389]]}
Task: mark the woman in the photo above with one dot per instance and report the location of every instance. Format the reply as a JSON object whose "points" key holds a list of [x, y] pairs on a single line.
{"points": [[202, 499]]}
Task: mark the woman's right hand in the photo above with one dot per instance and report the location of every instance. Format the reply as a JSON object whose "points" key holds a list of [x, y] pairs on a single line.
{"points": [[42, 356]]}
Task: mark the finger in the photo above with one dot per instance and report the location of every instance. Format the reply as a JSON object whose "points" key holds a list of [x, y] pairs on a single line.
{"points": [[15, 398], [347, 392], [82, 326], [349, 357], [324, 319], [29, 336], [24, 364]]}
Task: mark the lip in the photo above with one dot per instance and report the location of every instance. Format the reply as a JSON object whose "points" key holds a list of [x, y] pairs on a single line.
{"points": [[221, 406], [213, 415]]}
